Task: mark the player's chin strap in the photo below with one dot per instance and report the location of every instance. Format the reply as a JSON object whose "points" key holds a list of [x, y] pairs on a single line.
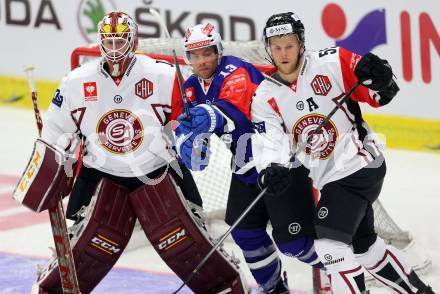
{"points": [[252, 204]]}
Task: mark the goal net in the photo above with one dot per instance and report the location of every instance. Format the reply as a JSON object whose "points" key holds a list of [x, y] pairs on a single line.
{"points": [[213, 182]]}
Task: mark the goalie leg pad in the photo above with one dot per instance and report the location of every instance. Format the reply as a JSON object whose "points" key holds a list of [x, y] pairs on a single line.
{"points": [[98, 240], [180, 242], [387, 265]]}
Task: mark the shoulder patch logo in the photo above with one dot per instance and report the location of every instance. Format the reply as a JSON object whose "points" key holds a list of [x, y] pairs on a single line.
{"points": [[90, 91], [260, 127], [190, 95], [57, 98], [321, 85], [273, 103], [144, 88]]}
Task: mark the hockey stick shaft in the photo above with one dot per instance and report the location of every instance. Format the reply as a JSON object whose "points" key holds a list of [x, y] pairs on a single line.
{"points": [[29, 73], [66, 264], [221, 240], [180, 79], [252, 204]]}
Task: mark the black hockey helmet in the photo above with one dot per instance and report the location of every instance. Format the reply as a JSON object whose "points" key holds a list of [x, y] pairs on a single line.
{"points": [[283, 24]]}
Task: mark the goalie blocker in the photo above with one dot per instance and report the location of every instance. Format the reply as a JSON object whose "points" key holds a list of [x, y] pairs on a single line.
{"points": [[99, 239], [46, 179]]}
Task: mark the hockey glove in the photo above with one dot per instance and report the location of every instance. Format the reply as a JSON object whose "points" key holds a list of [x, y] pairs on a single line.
{"points": [[193, 154], [204, 119], [374, 72], [276, 178]]}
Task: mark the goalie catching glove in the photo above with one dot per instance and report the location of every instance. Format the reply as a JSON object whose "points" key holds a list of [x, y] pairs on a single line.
{"points": [[276, 178]]}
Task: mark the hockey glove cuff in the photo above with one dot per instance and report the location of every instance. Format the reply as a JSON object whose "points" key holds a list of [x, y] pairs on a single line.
{"points": [[374, 72], [276, 178], [204, 119]]}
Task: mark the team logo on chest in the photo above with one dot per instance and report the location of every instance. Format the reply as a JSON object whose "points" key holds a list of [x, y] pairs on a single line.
{"points": [[120, 131], [321, 144], [144, 88], [321, 85]]}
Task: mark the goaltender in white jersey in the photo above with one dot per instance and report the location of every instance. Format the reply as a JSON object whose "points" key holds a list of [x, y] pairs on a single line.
{"points": [[120, 119], [120, 106], [345, 144]]}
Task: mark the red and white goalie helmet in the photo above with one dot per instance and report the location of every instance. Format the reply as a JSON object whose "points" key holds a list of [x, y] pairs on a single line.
{"points": [[201, 36], [118, 36]]}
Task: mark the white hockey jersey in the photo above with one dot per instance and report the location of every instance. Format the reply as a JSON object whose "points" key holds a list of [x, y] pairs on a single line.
{"points": [[286, 116], [121, 121]]}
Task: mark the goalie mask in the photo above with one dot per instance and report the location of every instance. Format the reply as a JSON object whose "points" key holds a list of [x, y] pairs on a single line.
{"points": [[283, 24], [118, 38], [201, 36]]}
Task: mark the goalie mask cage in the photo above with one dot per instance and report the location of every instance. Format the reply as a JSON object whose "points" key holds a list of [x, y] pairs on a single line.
{"points": [[213, 182]]}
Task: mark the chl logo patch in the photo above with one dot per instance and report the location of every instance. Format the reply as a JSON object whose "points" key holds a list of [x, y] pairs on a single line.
{"points": [[90, 91], [144, 88], [323, 212], [321, 85], [294, 228], [120, 131]]}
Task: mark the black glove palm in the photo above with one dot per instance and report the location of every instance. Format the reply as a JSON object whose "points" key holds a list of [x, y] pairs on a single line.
{"points": [[276, 178], [373, 68]]}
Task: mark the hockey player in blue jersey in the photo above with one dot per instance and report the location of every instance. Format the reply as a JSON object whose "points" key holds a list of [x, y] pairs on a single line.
{"points": [[219, 95]]}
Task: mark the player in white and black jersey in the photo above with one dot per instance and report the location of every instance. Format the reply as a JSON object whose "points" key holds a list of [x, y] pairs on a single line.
{"points": [[344, 158]]}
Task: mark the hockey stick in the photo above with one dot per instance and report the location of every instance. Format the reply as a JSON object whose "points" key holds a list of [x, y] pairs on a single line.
{"points": [[252, 204], [180, 80], [66, 264]]}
